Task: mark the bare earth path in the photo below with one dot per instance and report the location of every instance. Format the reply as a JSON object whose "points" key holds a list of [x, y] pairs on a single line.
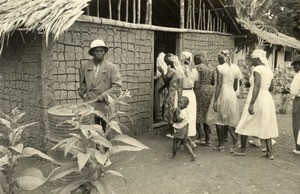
{"points": [[152, 172]]}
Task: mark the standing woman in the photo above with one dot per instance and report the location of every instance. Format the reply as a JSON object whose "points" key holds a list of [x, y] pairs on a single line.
{"points": [[224, 109], [204, 91], [189, 75], [173, 81], [259, 115], [295, 91]]}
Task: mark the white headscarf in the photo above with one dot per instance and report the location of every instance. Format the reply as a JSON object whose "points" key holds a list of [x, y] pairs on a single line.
{"points": [[262, 57]]}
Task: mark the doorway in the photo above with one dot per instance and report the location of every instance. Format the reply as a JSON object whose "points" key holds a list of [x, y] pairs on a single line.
{"points": [[166, 42]]}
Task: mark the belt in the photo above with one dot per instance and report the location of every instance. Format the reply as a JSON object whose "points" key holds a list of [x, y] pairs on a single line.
{"points": [[187, 88]]}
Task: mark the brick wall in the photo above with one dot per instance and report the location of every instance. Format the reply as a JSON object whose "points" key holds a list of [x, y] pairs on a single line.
{"points": [[211, 43], [130, 49], [21, 83]]}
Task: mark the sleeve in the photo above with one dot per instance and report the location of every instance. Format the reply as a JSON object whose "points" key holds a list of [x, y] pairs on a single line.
{"points": [[257, 69], [183, 115], [116, 83], [220, 69], [295, 85], [82, 82]]}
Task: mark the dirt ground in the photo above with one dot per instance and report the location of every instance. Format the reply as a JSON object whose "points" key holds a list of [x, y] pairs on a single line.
{"points": [[213, 172]]}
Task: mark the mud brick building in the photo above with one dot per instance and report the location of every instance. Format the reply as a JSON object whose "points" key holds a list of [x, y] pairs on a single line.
{"points": [[39, 71]]}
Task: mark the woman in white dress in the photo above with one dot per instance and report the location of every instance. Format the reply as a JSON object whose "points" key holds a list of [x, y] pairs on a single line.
{"points": [[259, 115], [189, 76], [224, 109]]}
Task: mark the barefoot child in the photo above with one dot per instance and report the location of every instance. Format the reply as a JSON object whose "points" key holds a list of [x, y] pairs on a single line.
{"points": [[181, 127]]}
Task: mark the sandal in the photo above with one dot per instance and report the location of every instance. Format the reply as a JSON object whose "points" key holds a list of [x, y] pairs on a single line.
{"points": [[238, 152], [193, 157], [268, 157], [219, 148]]}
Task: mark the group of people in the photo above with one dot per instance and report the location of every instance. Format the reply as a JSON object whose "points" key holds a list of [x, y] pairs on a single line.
{"points": [[196, 96], [194, 100]]}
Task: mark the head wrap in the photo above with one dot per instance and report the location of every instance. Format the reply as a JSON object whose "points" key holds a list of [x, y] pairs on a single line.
{"points": [[225, 54], [202, 56], [262, 57], [186, 55]]}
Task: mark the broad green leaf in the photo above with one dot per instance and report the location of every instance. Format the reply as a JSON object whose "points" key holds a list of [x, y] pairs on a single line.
{"points": [[94, 190], [121, 162], [17, 114], [18, 148], [129, 140], [101, 158], [102, 140], [64, 141], [120, 148], [69, 146], [115, 126], [72, 186], [100, 114], [30, 179], [4, 150], [100, 187], [110, 99], [4, 160], [29, 151], [5, 122], [63, 171], [91, 130], [124, 113], [82, 159], [6, 116], [116, 173]]}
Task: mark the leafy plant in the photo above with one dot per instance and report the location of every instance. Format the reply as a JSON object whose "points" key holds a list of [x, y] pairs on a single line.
{"points": [[91, 149], [283, 76], [30, 178]]}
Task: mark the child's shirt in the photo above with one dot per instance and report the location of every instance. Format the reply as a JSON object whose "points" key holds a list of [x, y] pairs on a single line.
{"points": [[185, 117]]}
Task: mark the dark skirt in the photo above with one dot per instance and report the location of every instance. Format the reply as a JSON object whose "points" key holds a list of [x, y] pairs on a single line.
{"points": [[296, 119]]}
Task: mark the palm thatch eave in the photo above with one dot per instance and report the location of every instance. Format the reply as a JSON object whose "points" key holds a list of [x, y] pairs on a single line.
{"points": [[49, 17]]}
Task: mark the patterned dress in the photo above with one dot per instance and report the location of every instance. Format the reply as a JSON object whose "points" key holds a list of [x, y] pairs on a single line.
{"points": [[172, 97], [204, 91]]}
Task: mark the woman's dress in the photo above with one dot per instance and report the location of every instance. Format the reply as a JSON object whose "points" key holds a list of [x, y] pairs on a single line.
{"points": [[227, 102], [189, 78], [204, 91], [172, 97], [263, 123]]}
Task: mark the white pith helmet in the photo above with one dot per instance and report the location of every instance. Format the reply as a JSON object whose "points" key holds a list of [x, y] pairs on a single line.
{"points": [[97, 43]]}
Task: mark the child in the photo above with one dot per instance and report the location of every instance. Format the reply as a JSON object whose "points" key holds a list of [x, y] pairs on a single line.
{"points": [[181, 127]]}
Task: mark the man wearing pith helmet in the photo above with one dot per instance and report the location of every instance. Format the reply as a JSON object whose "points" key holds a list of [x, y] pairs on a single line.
{"points": [[98, 79]]}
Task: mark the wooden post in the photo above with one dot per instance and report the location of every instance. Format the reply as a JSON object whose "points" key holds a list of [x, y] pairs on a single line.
{"points": [[109, 7], [147, 13], [98, 6], [88, 10], [119, 10], [218, 23], [193, 11], [188, 15], [150, 12], [182, 14], [139, 11], [209, 20], [190, 9], [199, 15], [214, 24], [133, 17], [204, 18], [126, 18]]}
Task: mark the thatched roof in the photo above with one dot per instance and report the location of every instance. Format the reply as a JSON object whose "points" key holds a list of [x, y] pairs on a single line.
{"points": [[49, 16], [274, 38]]}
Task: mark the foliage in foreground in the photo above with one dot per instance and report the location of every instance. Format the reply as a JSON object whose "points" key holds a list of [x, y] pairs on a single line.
{"points": [[30, 178], [88, 151]]}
